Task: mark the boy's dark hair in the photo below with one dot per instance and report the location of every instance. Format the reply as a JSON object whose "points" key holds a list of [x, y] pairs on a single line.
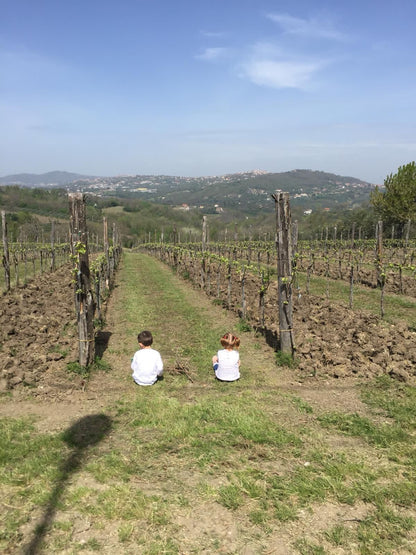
{"points": [[145, 338]]}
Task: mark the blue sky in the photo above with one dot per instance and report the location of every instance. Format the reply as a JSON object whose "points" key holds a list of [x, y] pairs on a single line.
{"points": [[206, 87]]}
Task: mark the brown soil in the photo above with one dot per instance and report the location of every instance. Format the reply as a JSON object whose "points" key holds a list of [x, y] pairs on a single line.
{"points": [[37, 331], [335, 347], [38, 337], [330, 339]]}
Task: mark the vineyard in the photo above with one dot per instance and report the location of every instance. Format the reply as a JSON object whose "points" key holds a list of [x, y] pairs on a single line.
{"points": [[281, 461], [242, 277], [331, 338], [38, 309], [310, 454]]}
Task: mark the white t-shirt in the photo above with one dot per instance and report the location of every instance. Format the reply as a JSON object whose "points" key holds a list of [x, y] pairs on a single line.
{"points": [[228, 368], [147, 365]]}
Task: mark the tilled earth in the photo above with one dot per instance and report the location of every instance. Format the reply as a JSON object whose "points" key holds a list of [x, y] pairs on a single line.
{"points": [[330, 339], [38, 338], [38, 335]]}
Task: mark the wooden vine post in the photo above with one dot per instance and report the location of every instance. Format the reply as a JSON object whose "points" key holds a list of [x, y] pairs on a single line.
{"points": [[381, 275], [107, 253], [204, 233], [53, 261], [6, 259], [84, 301], [284, 271]]}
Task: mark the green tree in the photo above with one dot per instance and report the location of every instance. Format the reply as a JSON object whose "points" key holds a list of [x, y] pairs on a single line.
{"points": [[397, 204]]}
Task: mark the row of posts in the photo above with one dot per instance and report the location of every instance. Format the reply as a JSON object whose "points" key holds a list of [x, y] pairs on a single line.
{"points": [[6, 253], [286, 238], [354, 234]]}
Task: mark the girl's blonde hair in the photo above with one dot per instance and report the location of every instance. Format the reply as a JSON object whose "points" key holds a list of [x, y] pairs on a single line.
{"points": [[230, 341]]}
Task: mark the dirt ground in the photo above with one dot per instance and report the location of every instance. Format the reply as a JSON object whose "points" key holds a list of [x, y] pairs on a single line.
{"points": [[331, 340], [336, 347], [38, 337]]}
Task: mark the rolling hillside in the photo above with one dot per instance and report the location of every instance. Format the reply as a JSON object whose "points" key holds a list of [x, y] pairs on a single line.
{"points": [[246, 192]]}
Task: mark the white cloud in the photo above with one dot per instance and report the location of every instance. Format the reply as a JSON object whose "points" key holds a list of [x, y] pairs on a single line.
{"points": [[269, 65], [266, 64], [211, 54], [279, 73], [309, 28]]}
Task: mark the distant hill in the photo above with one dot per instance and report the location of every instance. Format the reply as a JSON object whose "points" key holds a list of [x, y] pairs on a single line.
{"points": [[246, 192], [50, 179]]}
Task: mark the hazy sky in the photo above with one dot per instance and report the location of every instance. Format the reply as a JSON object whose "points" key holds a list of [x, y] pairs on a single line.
{"points": [[206, 87]]}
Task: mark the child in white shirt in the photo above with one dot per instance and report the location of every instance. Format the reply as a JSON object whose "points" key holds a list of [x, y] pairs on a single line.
{"points": [[147, 363], [226, 362]]}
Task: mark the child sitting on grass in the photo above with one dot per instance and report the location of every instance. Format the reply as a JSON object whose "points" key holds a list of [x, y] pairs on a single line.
{"points": [[147, 363], [226, 362]]}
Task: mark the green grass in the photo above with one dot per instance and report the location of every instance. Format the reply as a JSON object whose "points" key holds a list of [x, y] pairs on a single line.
{"points": [[181, 459], [358, 426], [396, 400]]}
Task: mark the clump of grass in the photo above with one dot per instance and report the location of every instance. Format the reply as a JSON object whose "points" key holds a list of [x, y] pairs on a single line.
{"points": [[397, 400], [383, 531], [230, 496], [85, 371], [306, 547], [302, 405], [75, 368], [59, 350], [100, 364], [284, 512], [338, 535], [286, 359], [244, 326], [355, 425]]}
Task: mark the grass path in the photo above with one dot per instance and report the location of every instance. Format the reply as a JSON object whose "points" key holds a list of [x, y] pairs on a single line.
{"points": [[185, 324], [191, 465]]}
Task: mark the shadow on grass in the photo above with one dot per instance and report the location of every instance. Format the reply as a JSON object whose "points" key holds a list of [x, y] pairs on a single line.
{"points": [[85, 433], [101, 342]]}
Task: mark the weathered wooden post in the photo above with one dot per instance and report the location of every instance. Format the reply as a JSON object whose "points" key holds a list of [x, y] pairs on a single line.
{"points": [[204, 233], [106, 252], [284, 271], [84, 301], [114, 253], [295, 238], [352, 235], [407, 235], [381, 276], [6, 259], [53, 260], [204, 247]]}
